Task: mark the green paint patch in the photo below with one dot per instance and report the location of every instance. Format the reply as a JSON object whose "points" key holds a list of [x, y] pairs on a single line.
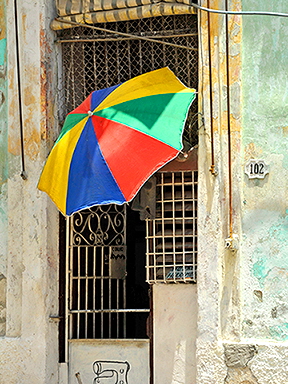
{"points": [[260, 271], [3, 44], [279, 332], [272, 253]]}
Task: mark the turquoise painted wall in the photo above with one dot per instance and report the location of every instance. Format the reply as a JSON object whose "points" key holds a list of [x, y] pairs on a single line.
{"points": [[265, 202]]}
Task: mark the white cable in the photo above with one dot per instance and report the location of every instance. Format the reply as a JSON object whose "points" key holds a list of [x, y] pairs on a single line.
{"points": [[243, 13]]}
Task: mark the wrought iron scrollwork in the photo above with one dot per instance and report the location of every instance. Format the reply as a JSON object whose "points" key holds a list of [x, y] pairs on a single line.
{"points": [[99, 226]]}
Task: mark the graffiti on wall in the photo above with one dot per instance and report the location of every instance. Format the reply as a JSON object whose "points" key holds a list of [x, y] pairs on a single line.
{"points": [[111, 372]]}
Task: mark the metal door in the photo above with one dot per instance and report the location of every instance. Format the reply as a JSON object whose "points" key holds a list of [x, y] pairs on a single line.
{"points": [[106, 305], [99, 331]]}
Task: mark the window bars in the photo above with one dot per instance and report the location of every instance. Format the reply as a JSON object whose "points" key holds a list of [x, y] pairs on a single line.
{"points": [[93, 59], [97, 236], [171, 240], [96, 251], [97, 305]]}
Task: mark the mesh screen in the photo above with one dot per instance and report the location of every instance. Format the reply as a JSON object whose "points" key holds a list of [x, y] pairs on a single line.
{"points": [[93, 59]]}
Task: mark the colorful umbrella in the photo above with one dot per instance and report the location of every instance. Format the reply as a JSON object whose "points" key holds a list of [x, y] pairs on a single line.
{"points": [[115, 140]]}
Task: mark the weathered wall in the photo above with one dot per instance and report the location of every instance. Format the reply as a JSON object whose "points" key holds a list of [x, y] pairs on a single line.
{"points": [[218, 273], [175, 330], [264, 246], [265, 202], [242, 323], [3, 164], [28, 241]]}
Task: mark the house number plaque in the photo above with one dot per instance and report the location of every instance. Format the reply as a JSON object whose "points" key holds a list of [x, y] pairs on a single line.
{"points": [[256, 169]]}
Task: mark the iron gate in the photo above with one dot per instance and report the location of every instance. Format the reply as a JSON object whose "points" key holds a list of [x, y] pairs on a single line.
{"points": [[93, 60]]}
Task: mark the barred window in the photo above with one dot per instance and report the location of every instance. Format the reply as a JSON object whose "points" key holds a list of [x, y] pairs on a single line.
{"points": [[93, 59], [106, 293], [172, 235]]}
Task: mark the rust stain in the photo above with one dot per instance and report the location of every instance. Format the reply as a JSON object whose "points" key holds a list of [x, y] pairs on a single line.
{"points": [[285, 131], [29, 97], [251, 152], [2, 21], [24, 18], [14, 144], [31, 140], [218, 53], [46, 80]]}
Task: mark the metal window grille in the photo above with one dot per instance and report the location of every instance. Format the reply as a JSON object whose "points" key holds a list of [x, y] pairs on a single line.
{"points": [[172, 236], [96, 290], [93, 60], [97, 306]]}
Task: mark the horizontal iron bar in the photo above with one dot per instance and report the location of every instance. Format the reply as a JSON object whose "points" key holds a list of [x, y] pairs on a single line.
{"points": [[108, 311], [75, 40], [126, 34]]}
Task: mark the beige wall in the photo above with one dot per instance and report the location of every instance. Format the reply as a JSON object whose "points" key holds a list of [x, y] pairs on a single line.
{"points": [[28, 343], [175, 331]]}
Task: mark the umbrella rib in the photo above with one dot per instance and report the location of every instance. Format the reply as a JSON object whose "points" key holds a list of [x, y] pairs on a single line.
{"points": [[125, 34]]}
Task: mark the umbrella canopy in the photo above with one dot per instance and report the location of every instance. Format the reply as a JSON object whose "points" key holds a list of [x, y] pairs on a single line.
{"points": [[115, 140]]}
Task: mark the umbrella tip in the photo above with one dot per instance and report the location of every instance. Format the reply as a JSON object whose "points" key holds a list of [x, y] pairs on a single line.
{"points": [[90, 113]]}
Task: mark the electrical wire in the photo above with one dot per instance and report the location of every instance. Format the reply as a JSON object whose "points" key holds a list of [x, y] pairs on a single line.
{"points": [[241, 13], [23, 171]]}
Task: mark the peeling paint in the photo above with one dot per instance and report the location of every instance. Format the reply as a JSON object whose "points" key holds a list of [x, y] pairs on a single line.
{"points": [[3, 43], [279, 332], [3, 168]]}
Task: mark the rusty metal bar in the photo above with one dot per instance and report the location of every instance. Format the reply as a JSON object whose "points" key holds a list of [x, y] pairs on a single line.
{"points": [[123, 38], [123, 310], [127, 35]]}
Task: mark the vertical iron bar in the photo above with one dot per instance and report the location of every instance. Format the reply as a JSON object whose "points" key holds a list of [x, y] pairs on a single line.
{"points": [[78, 292], [194, 226], [183, 220], [94, 274], [151, 336], [162, 227], [124, 305], [124, 281], [129, 54], [173, 186], [147, 251], [86, 292], [109, 298], [102, 292], [73, 65], [154, 230], [67, 288], [117, 306]]}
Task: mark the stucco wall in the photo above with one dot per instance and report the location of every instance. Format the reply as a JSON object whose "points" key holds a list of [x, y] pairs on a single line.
{"points": [[175, 331], [28, 241], [3, 164], [265, 202], [242, 323]]}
